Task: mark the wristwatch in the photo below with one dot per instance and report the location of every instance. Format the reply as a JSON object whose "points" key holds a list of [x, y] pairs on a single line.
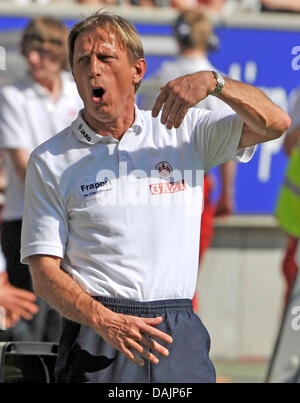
{"points": [[220, 83]]}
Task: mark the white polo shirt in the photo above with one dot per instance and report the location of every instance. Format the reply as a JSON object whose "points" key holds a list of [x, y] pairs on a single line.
{"points": [[124, 216], [27, 118]]}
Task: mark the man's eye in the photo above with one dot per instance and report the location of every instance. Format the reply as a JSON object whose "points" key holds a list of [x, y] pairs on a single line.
{"points": [[83, 59], [104, 58]]}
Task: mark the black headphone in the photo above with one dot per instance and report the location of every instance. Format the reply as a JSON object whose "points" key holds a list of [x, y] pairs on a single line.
{"points": [[183, 30]]}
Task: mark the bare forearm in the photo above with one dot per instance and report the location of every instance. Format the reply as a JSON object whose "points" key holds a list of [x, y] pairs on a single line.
{"points": [[227, 171], [263, 119], [259, 113], [19, 158], [63, 293], [124, 332]]}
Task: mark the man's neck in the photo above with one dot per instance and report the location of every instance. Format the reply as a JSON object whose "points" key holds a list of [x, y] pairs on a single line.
{"points": [[111, 127], [53, 85], [193, 53]]}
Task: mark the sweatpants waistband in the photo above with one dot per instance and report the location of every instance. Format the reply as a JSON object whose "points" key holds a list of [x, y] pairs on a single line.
{"points": [[131, 307]]}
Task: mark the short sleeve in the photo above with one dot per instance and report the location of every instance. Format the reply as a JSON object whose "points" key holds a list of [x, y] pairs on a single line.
{"points": [[216, 136], [44, 226], [13, 125]]}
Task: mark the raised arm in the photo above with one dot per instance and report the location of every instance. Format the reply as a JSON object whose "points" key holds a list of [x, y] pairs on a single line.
{"points": [[263, 119], [124, 332]]}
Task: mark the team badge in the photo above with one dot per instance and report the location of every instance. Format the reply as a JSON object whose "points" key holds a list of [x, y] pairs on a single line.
{"points": [[164, 169]]}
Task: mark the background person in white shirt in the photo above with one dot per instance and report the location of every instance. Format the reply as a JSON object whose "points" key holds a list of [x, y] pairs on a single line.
{"points": [[32, 110], [15, 303], [121, 271]]}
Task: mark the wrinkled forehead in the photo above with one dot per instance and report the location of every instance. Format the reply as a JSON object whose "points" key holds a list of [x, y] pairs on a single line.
{"points": [[98, 37]]}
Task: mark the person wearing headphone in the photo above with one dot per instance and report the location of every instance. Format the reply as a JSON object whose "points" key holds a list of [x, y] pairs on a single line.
{"points": [[195, 38]]}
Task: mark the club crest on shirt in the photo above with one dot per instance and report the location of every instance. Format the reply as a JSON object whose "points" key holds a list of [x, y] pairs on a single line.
{"points": [[164, 169]]}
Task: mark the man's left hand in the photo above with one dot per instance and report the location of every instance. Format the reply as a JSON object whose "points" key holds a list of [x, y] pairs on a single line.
{"points": [[178, 95]]}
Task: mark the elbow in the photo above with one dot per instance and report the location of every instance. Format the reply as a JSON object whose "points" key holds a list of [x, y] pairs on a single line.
{"points": [[286, 122], [38, 283], [35, 285], [279, 128]]}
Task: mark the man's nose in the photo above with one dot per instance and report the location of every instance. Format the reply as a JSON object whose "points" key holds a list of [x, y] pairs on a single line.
{"points": [[96, 66]]}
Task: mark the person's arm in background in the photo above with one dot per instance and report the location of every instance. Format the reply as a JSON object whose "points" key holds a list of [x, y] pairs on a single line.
{"points": [[16, 302], [225, 203], [13, 129], [19, 158]]}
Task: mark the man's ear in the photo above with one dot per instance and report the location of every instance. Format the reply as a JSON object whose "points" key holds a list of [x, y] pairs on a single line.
{"points": [[139, 70]]}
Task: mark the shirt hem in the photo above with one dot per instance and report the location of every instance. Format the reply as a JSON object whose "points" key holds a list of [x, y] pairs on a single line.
{"points": [[41, 250]]}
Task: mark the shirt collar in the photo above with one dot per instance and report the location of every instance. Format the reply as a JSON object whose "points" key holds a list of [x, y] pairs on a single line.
{"points": [[86, 135]]}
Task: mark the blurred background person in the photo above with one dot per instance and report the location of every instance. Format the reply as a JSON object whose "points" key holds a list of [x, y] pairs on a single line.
{"points": [[97, 2], [142, 3], [288, 206], [194, 34], [17, 303], [32, 110], [292, 6], [203, 5], [284, 364]]}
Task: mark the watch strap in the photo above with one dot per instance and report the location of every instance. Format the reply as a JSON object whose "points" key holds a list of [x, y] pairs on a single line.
{"points": [[220, 83]]}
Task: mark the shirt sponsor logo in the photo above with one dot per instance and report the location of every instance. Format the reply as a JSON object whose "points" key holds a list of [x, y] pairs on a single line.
{"points": [[92, 188], [83, 132], [172, 187], [164, 169]]}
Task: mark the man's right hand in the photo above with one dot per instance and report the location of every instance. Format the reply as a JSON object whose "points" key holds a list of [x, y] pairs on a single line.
{"points": [[133, 336]]}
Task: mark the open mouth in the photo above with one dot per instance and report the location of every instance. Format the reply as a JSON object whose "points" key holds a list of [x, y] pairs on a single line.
{"points": [[98, 94]]}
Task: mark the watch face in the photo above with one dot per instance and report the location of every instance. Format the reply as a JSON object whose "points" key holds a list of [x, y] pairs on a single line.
{"points": [[220, 83]]}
